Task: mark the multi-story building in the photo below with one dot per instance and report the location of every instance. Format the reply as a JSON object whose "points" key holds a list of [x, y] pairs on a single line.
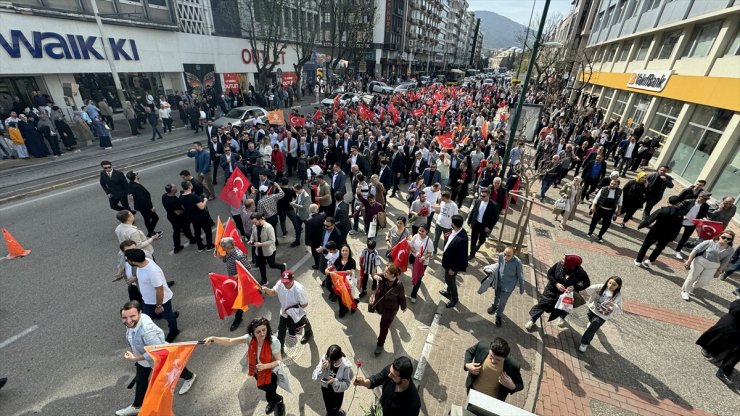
{"points": [[674, 65], [573, 33]]}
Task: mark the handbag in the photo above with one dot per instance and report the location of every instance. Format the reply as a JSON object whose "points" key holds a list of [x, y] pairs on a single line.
{"points": [[565, 302], [372, 304], [373, 229], [578, 300], [561, 203]]}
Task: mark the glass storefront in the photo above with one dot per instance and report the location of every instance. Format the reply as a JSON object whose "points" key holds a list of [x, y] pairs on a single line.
{"points": [[663, 122], [727, 183], [639, 109], [698, 141], [606, 98], [135, 85], [620, 105], [21, 87]]}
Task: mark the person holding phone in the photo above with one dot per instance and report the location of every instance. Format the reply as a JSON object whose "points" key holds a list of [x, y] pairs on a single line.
{"points": [[334, 371]]}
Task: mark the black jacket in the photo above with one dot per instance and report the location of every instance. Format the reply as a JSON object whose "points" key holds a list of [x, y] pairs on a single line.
{"points": [[341, 215], [478, 353], [315, 230], [490, 217], [116, 184], [586, 172], [667, 222], [142, 198], [319, 149], [455, 256], [656, 186]]}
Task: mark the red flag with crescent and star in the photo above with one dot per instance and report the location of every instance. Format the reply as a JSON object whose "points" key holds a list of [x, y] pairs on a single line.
{"points": [[400, 255], [235, 188], [168, 362], [247, 289], [365, 113], [443, 121], [418, 112], [708, 230], [484, 131], [342, 289], [445, 140], [318, 115], [297, 121], [224, 292], [231, 231]]}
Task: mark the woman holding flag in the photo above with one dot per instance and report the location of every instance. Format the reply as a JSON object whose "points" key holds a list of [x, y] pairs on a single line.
{"points": [[344, 267], [421, 251], [388, 298]]}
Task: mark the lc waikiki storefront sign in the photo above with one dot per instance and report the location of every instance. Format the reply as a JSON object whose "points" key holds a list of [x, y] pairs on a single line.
{"points": [[68, 46], [649, 80]]}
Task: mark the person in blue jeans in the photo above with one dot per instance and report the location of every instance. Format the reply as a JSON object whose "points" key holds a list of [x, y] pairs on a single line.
{"points": [[733, 266], [509, 275], [550, 173]]}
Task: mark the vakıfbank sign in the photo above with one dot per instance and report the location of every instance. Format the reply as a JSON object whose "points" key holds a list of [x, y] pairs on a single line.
{"points": [[649, 80], [68, 46]]}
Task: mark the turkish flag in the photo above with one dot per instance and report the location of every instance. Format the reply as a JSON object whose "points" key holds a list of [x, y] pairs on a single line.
{"points": [[217, 240], [400, 255], [247, 290], [365, 113], [335, 104], [224, 292], [235, 188], [339, 115], [435, 109], [231, 231], [438, 96], [297, 121], [342, 289], [484, 131], [445, 140], [418, 112], [443, 121], [318, 115], [169, 361], [708, 230], [394, 113], [444, 107]]}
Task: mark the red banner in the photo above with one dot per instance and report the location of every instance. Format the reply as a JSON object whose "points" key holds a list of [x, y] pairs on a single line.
{"points": [[234, 189], [224, 292], [231, 82], [289, 78], [400, 255]]}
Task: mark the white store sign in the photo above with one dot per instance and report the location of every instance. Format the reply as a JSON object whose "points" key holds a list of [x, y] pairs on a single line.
{"points": [[649, 80]]}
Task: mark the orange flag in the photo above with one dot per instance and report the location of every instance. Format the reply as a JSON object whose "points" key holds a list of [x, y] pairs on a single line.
{"points": [[484, 131], [342, 289], [219, 235], [276, 117], [247, 289], [169, 361]]}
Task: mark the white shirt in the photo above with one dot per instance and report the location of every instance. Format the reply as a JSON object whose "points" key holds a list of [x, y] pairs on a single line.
{"points": [[481, 210], [629, 150], [446, 211], [416, 245], [691, 215], [296, 295], [453, 234], [432, 196], [612, 194], [149, 278]]}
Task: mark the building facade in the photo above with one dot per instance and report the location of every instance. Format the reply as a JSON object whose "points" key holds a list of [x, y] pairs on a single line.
{"points": [[674, 65]]}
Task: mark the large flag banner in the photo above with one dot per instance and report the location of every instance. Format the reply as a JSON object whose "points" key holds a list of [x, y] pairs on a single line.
{"points": [[231, 231], [219, 235], [276, 117], [400, 255], [169, 361], [235, 188], [484, 131], [336, 103], [248, 289], [445, 140], [342, 289], [318, 115], [297, 121], [224, 293], [708, 230]]}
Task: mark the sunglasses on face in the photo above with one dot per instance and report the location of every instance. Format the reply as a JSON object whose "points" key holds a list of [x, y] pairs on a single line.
{"points": [[107, 167], [726, 238]]}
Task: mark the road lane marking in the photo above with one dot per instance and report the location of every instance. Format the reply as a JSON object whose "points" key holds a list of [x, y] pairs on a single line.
{"points": [[15, 338]]}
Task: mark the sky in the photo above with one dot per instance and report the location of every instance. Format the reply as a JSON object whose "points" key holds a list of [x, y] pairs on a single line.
{"points": [[520, 10]]}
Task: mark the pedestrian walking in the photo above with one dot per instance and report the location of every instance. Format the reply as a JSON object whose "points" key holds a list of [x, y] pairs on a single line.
{"points": [[482, 218], [565, 275], [263, 240], [665, 224], [633, 197], [232, 254], [126, 230], [301, 206], [508, 276], [398, 392], [202, 167], [605, 208], [196, 210], [708, 259], [388, 298], [567, 204], [343, 263], [263, 360], [114, 185], [453, 259], [334, 371], [293, 303], [657, 183], [369, 263], [604, 302], [696, 211], [177, 217], [143, 202], [443, 226], [721, 342], [421, 252], [130, 114], [153, 119]]}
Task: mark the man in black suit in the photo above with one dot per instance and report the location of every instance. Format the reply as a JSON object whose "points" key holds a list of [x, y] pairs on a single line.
{"points": [[338, 180], [142, 202], [453, 259], [418, 166], [211, 130], [361, 161], [315, 148], [398, 168], [482, 218], [484, 359], [216, 149], [115, 186], [341, 215], [385, 175], [228, 162], [431, 175], [314, 231]]}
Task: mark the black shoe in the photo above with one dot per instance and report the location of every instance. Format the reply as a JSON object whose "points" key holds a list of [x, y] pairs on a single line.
{"points": [[706, 354], [491, 310], [177, 314], [280, 409], [498, 321], [170, 283], [3, 381], [210, 247], [295, 244], [362, 294], [451, 304], [333, 298], [471, 257], [342, 314], [172, 335], [179, 249], [285, 233], [444, 293], [269, 408], [235, 325], [263, 282], [723, 377], [315, 267], [306, 338]]}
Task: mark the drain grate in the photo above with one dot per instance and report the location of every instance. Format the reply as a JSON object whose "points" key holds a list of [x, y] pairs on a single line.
{"points": [[541, 232]]}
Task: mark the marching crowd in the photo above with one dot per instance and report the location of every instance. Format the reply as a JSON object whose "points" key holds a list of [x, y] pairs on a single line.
{"points": [[341, 166]]}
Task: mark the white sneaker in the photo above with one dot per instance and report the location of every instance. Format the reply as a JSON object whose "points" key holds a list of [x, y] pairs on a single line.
{"points": [[128, 411], [413, 300], [186, 385], [560, 322], [352, 232], [685, 296], [529, 325], [647, 263], [582, 347], [637, 263], [678, 255]]}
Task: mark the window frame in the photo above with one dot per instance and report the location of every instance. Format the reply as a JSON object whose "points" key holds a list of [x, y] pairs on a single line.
{"points": [[690, 49], [665, 36]]}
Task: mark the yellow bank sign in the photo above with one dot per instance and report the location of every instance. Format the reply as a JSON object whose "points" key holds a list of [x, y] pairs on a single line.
{"points": [[649, 80]]}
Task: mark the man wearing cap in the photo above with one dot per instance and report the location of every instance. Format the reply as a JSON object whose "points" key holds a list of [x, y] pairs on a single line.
{"points": [[293, 304], [699, 209], [263, 239]]}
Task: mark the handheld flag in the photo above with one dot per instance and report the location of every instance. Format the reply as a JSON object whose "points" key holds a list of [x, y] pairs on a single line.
{"points": [[318, 115], [708, 230], [400, 255], [418, 112], [247, 292], [484, 131], [235, 188], [342, 289], [231, 231], [297, 121], [224, 292], [445, 140], [276, 117], [219, 235], [335, 104], [169, 361], [443, 121]]}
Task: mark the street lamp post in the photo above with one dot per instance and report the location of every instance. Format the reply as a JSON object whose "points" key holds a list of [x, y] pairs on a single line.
{"points": [[108, 54], [525, 85]]}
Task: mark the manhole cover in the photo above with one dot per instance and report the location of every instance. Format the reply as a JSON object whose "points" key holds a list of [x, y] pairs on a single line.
{"points": [[541, 232]]}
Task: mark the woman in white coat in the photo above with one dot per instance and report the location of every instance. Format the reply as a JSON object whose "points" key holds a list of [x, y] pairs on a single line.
{"points": [[571, 193], [336, 375]]}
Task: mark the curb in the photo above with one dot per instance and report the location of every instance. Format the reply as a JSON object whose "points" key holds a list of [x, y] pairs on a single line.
{"points": [[428, 344], [534, 384]]}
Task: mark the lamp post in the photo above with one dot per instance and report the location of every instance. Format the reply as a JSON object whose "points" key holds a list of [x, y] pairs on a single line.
{"points": [[525, 86], [108, 54]]}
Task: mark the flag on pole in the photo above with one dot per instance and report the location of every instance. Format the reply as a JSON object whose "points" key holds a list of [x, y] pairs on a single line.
{"points": [[443, 121], [400, 255], [276, 117], [484, 131], [224, 292], [169, 361], [708, 230], [247, 289], [318, 115], [235, 188], [445, 140], [418, 112], [231, 231], [342, 289], [335, 104], [218, 251]]}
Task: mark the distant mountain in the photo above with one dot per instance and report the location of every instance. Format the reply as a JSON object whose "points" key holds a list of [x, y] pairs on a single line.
{"points": [[499, 31]]}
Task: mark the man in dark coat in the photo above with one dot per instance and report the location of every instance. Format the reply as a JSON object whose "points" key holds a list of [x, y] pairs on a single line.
{"points": [[453, 259], [341, 215], [656, 185], [482, 218], [491, 360], [176, 216], [398, 168], [593, 172], [114, 184], [666, 224], [142, 202], [314, 231], [721, 342], [431, 175]]}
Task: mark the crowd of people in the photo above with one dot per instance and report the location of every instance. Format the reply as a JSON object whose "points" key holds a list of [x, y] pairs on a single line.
{"points": [[346, 163]]}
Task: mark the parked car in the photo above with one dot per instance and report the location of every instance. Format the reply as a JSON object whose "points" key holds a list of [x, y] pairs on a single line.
{"points": [[379, 87], [488, 81], [425, 79], [245, 116], [344, 99], [405, 87]]}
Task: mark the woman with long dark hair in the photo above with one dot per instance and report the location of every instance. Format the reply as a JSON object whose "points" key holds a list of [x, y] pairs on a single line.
{"points": [[334, 371], [345, 263], [388, 298], [603, 303]]}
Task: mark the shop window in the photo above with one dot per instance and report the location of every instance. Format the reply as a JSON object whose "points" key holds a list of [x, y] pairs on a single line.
{"points": [[620, 105], [702, 40], [669, 43], [664, 120], [639, 108], [642, 50], [727, 181], [698, 140], [606, 98], [734, 48]]}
